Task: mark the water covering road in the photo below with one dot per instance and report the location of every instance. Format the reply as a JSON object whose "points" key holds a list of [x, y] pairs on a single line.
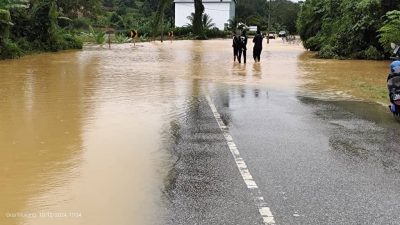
{"points": [[127, 136]]}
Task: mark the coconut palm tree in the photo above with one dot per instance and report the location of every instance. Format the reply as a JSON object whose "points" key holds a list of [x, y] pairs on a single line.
{"points": [[198, 28], [233, 24], [207, 21]]}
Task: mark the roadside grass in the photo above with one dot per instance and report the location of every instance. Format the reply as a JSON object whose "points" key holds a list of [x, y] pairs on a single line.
{"points": [[369, 91]]}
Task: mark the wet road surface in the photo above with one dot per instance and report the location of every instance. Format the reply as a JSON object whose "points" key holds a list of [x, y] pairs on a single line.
{"points": [[127, 136], [316, 162]]}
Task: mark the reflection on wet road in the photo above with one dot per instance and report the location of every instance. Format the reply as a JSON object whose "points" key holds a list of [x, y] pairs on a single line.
{"points": [[126, 136]]}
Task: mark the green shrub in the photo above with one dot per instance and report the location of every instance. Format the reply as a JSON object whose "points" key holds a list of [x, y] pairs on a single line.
{"points": [[183, 31], [100, 37], [101, 21], [313, 43], [97, 36], [327, 52], [373, 53], [145, 29], [9, 50], [121, 38], [81, 23], [117, 21], [348, 28], [71, 41], [24, 45], [187, 32], [143, 37], [390, 31], [216, 33]]}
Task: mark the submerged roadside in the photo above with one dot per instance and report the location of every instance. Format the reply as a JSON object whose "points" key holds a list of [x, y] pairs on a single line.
{"points": [[361, 80]]}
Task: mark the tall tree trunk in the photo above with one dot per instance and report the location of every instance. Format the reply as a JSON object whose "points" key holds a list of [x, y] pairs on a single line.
{"points": [[198, 28]]}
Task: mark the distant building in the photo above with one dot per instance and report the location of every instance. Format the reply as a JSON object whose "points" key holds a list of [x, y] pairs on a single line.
{"points": [[219, 10]]}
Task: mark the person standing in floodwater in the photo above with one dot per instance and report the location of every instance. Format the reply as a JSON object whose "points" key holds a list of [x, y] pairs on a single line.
{"points": [[235, 46], [242, 47], [258, 39]]}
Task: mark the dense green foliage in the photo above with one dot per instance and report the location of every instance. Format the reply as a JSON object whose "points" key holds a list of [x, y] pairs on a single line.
{"points": [[52, 25], [390, 31], [349, 28], [33, 26], [158, 21], [283, 14]]}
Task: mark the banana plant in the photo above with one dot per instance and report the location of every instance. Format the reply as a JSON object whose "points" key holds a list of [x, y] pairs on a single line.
{"points": [[6, 5], [120, 38], [5, 15], [98, 36], [12, 4]]}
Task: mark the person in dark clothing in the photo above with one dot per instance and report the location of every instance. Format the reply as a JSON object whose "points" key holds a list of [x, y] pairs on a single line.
{"points": [[258, 40], [242, 46], [235, 46]]}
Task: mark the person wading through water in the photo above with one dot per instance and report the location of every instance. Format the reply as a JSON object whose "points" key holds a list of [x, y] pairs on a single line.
{"points": [[242, 47], [258, 39], [235, 46]]}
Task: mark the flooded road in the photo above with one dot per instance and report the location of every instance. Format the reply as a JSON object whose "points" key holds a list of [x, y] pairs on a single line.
{"points": [[125, 136]]}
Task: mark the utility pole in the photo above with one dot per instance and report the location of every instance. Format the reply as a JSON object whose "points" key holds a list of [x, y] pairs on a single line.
{"points": [[269, 21]]}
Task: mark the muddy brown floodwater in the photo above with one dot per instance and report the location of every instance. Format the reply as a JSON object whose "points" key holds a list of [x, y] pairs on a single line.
{"points": [[344, 79], [84, 134]]}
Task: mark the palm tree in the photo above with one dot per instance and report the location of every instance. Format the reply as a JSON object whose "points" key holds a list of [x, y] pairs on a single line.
{"points": [[233, 24], [207, 21], [198, 28]]}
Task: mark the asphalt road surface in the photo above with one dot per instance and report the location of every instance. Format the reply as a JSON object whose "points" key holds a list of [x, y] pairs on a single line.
{"points": [[314, 162]]}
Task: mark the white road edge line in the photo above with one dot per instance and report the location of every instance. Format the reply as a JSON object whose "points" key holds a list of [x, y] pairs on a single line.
{"points": [[264, 211]]}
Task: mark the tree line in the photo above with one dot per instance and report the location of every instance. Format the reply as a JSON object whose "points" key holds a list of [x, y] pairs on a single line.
{"points": [[51, 25], [31, 26], [282, 14], [359, 29]]}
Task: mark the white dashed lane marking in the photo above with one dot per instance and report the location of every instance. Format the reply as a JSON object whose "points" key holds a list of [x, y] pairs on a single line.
{"points": [[264, 211]]}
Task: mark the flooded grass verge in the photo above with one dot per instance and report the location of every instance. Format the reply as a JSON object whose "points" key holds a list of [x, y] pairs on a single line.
{"points": [[345, 79]]}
